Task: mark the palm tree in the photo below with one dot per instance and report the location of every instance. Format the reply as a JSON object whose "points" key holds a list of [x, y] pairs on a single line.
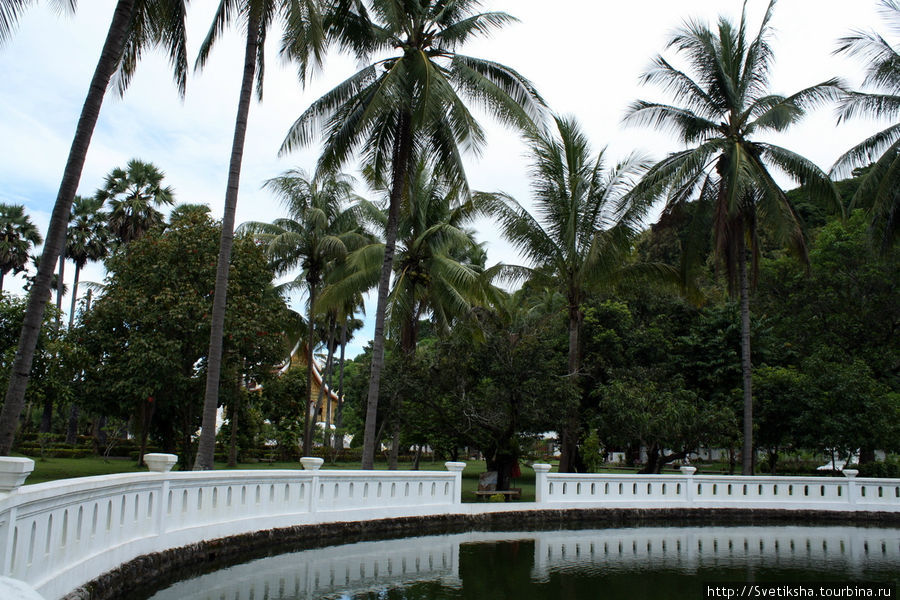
{"points": [[303, 21], [18, 235], [135, 26], [881, 184], [409, 105], [583, 238], [133, 193], [437, 272], [723, 103], [11, 9], [87, 240], [320, 229]]}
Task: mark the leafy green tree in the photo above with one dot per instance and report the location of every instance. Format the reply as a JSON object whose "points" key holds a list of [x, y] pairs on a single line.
{"points": [[18, 235], [302, 21], [321, 228], [148, 331], [136, 25], [133, 193], [583, 239], [646, 370], [405, 105], [723, 103], [879, 188]]}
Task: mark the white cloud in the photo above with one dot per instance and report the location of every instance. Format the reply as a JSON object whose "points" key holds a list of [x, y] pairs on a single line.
{"points": [[584, 56]]}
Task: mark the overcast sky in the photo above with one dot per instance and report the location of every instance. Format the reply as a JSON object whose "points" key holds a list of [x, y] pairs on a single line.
{"points": [[584, 56]]}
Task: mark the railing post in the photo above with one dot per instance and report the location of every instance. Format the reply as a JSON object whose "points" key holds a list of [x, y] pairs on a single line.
{"points": [[541, 488], [312, 463], [159, 462], [456, 468], [14, 471], [851, 474], [688, 473]]}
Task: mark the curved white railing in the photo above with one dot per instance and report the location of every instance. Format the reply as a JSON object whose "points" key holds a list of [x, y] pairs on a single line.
{"points": [[688, 490], [58, 536]]}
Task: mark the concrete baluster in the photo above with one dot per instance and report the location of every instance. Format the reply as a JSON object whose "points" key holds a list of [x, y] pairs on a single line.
{"points": [[541, 486], [852, 489], [312, 463], [688, 473], [456, 468], [14, 471], [159, 462]]}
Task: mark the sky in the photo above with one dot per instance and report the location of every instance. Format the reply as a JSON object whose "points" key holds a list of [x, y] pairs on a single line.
{"points": [[584, 56]]}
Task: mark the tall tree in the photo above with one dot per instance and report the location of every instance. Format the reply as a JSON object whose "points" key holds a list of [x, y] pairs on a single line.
{"points": [[302, 20], [321, 227], [133, 193], [582, 240], [87, 240], [136, 25], [18, 235], [436, 272], [722, 103], [880, 188], [408, 104]]}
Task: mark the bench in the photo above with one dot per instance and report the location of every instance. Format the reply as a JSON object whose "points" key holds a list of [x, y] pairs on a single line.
{"points": [[487, 486]]}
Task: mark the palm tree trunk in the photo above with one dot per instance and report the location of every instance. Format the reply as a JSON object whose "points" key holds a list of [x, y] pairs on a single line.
{"points": [[746, 365], [207, 444], [59, 288], [401, 154], [74, 295], [59, 221], [308, 420], [339, 418], [327, 375], [72, 428], [2, 276], [568, 458]]}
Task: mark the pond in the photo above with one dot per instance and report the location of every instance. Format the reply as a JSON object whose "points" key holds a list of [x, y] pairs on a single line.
{"points": [[632, 563]]}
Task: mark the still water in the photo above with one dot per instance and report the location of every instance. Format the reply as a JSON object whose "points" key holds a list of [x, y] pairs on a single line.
{"points": [[632, 563]]}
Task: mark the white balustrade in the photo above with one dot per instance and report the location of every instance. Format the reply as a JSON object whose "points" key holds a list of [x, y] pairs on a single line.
{"points": [[688, 490], [57, 536]]}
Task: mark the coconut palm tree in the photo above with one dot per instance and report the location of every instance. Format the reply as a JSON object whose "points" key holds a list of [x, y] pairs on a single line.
{"points": [[136, 25], [881, 184], [133, 193], [87, 240], [723, 104], [10, 10], [406, 104], [438, 267], [582, 239], [321, 228], [18, 235], [303, 21]]}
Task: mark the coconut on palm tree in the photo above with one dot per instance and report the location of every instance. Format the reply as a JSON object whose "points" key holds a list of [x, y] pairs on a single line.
{"points": [[303, 21], [407, 104], [136, 25], [723, 104], [880, 187], [581, 239], [320, 229], [18, 235]]}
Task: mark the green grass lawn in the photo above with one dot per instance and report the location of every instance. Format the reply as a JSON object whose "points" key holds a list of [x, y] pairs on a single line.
{"points": [[51, 469]]}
